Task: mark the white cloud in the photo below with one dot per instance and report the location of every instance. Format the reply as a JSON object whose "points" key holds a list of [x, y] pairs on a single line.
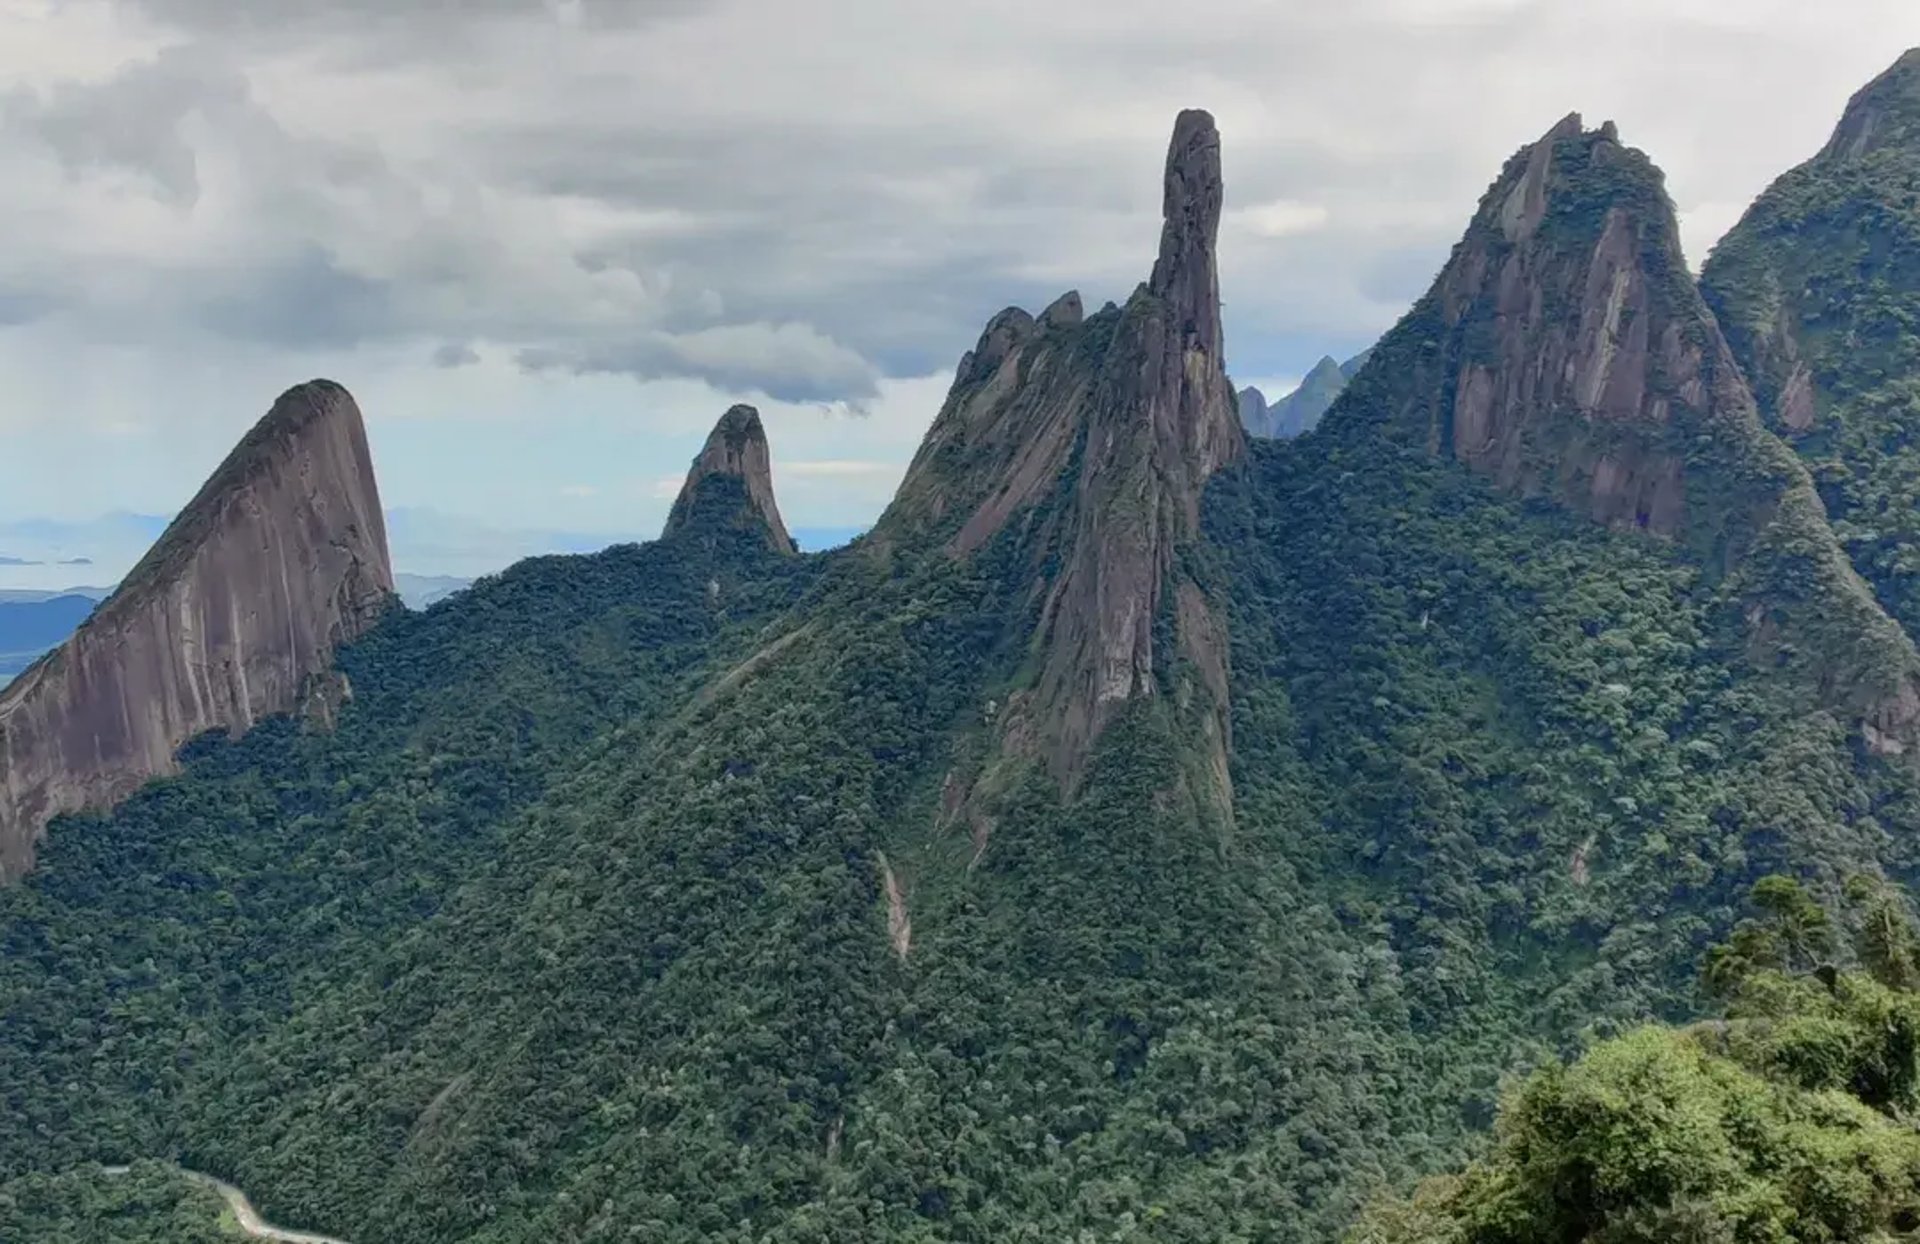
{"points": [[1278, 219], [677, 204], [838, 468]]}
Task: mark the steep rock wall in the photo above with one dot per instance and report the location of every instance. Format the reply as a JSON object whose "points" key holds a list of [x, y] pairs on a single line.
{"points": [[232, 616]]}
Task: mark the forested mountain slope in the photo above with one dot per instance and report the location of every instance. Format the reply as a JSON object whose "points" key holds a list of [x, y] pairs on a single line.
{"points": [[1140, 834], [1788, 1119], [1818, 288]]}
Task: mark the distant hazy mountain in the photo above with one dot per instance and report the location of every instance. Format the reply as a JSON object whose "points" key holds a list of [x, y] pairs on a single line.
{"points": [[17, 595], [30, 627], [1300, 410], [422, 591]]}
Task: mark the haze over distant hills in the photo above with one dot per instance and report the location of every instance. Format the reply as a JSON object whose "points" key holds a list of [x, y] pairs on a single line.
{"points": [[1299, 411], [48, 554], [32, 620]]}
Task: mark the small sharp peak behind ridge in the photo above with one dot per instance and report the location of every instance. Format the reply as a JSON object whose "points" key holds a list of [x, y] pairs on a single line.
{"points": [[1884, 113], [731, 483]]}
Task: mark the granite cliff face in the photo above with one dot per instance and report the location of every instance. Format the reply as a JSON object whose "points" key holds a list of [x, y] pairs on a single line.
{"points": [[731, 483], [1089, 440], [1563, 352], [232, 616], [1818, 288]]}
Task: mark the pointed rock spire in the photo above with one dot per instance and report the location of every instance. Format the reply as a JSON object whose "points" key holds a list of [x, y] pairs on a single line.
{"points": [[1089, 440], [232, 616], [1186, 274], [730, 484]]}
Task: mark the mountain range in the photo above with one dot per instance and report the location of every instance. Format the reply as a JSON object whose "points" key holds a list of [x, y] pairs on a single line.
{"points": [[1487, 818]]}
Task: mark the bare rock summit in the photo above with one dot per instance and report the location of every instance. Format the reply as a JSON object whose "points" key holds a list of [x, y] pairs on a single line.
{"points": [[232, 616], [730, 484]]}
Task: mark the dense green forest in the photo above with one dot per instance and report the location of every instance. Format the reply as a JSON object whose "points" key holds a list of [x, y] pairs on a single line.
{"points": [[1790, 1118], [1818, 287], [150, 1203], [556, 934]]}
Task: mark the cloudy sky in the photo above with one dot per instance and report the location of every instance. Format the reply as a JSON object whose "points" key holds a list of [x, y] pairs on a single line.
{"points": [[546, 242]]}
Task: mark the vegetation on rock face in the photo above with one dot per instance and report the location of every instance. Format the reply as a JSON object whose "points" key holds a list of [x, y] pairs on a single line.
{"points": [[578, 923], [1818, 289], [1564, 353], [1792, 1119]]}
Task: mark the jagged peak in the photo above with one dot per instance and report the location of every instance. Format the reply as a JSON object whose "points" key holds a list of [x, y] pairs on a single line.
{"points": [[736, 451], [1884, 113], [1088, 441], [1565, 352], [1531, 174]]}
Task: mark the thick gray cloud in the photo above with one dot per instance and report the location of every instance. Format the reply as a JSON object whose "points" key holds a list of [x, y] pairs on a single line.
{"points": [[132, 122], [802, 200], [790, 361], [451, 354]]}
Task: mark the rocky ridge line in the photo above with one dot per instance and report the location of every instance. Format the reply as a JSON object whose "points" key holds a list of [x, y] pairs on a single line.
{"points": [[1565, 352]]}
